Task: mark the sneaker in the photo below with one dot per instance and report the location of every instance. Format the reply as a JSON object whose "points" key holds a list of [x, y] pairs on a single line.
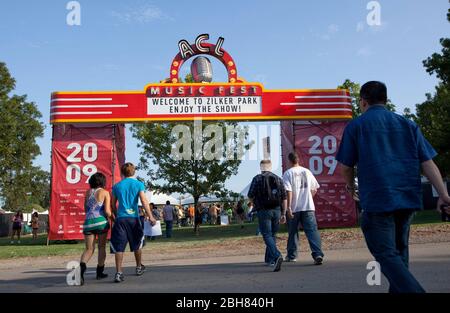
{"points": [[277, 264], [140, 270], [318, 260], [288, 259], [119, 278]]}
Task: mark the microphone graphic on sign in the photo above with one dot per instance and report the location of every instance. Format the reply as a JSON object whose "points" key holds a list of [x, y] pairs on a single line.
{"points": [[201, 70]]}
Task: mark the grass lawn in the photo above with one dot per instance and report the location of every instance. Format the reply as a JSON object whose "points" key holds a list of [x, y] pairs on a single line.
{"points": [[182, 237]]}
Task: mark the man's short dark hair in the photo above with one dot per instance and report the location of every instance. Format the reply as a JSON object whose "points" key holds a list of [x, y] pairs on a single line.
{"points": [[374, 92], [167, 202], [98, 180], [293, 157]]}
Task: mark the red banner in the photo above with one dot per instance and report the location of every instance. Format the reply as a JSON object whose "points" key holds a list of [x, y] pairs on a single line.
{"points": [[317, 143], [78, 151]]}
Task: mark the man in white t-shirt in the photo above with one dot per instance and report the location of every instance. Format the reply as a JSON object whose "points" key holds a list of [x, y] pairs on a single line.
{"points": [[301, 187]]}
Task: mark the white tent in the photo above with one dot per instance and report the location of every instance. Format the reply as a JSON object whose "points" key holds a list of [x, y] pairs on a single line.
{"points": [[244, 191], [211, 198], [159, 198]]}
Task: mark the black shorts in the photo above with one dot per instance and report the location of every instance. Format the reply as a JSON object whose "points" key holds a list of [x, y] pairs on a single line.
{"points": [[97, 231], [127, 230], [17, 226]]}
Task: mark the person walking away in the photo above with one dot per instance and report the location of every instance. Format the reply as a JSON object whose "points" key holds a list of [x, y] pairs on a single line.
{"points": [[229, 213], [301, 187], [168, 215], [219, 212], [240, 213], [97, 206], [156, 215], [180, 215], [191, 212], [198, 218], [17, 222], [268, 195], [212, 214], [127, 226], [35, 225], [389, 151]]}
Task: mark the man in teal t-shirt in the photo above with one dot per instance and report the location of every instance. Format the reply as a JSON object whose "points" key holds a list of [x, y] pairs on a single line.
{"points": [[127, 225]]}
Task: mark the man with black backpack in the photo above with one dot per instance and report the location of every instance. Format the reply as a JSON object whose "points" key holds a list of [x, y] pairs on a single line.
{"points": [[268, 195]]}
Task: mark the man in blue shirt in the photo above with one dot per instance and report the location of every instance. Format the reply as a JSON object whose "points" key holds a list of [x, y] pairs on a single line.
{"points": [[127, 225], [389, 151]]}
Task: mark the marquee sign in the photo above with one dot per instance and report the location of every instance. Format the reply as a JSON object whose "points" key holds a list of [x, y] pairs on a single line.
{"points": [[174, 101]]}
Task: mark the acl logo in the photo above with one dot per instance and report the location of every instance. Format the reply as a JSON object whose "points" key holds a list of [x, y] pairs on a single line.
{"points": [[374, 276]]}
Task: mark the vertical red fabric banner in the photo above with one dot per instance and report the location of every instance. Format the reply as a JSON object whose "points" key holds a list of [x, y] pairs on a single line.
{"points": [[317, 144], [78, 151]]}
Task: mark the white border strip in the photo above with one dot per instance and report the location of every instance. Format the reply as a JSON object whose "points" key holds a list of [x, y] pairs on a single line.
{"points": [[90, 106], [81, 113], [314, 103], [81, 99], [318, 97], [312, 110]]}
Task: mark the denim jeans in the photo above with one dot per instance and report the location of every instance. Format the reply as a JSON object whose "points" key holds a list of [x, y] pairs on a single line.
{"points": [[269, 223], [308, 220], [169, 226], [387, 237]]}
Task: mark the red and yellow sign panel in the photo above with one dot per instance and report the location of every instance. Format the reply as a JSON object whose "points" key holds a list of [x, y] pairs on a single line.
{"points": [[212, 101]]}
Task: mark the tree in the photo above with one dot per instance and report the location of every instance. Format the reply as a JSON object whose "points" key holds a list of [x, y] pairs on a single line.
{"points": [[197, 175], [19, 128], [433, 115], [354, 89]]}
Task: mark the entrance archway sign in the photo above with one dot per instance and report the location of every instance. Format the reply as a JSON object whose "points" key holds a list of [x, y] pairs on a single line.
{"points": [[88, 131], [174, 101]]}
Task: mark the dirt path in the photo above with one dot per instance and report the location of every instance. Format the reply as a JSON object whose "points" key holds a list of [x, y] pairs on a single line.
{"points": [[331, 240]]}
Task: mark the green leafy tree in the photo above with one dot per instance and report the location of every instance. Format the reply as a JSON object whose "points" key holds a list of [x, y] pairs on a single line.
{"points": [[354, 90], [197, 175], [433, 115], [19, 128]]}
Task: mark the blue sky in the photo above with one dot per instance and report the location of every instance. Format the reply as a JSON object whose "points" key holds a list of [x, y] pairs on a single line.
{"points": [[123, 45]]}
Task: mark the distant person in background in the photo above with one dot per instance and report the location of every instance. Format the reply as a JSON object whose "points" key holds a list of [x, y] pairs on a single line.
{"points": [[97, 206], [191, 213], [168, 215], [204, 214], [212, 214], [156, 215], [229, 213], [240, 214], [218, 213], [198, 218], [35, 224], [180, 216], [17, 222]]}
